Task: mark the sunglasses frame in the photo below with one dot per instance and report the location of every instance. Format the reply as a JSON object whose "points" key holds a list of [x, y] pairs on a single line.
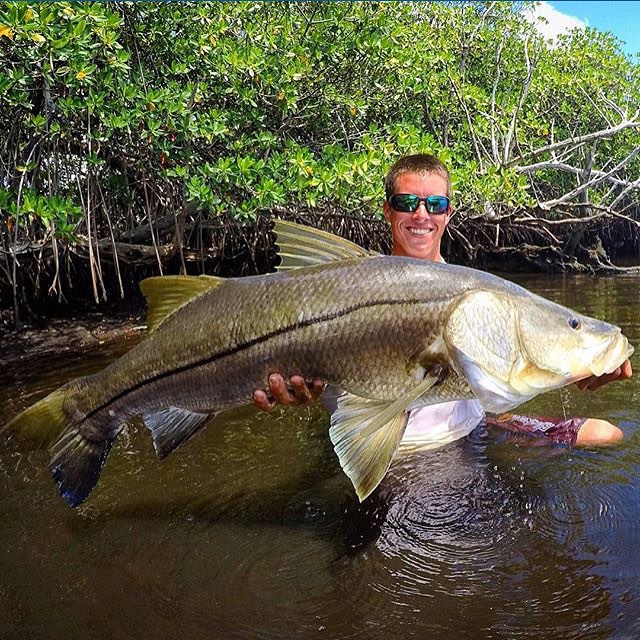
{"points": [[425, 199]]}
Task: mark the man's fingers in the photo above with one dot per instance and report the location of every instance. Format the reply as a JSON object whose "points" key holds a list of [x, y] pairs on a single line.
{"points": [[262, 401], [279, 390], [591, 383], [594, 382], [306, 391], [297, 391], [316, 388], [624, 372], [301, 390]]}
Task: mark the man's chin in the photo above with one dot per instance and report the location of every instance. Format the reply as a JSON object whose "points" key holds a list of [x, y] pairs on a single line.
{"points": [[420, 250], [422, 242]]}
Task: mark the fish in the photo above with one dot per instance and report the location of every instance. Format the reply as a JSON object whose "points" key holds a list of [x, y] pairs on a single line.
{"points": [[394, 333]]}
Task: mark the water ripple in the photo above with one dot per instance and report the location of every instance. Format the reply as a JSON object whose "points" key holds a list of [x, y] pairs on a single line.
{"points": [[252, 531]]}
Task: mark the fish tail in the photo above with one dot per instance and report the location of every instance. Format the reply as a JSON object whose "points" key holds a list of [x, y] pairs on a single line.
{"points": [[76, 460], [42, 422]]}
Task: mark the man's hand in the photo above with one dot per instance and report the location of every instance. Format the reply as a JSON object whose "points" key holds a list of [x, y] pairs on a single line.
{"points": [[299, 392], [623, 372]]}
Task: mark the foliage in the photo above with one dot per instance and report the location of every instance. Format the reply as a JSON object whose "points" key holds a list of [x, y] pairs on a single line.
{"points": [[117, 114]]}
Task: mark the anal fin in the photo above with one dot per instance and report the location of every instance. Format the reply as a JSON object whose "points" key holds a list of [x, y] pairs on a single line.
{"points": [[172, 427], [76, 464]]}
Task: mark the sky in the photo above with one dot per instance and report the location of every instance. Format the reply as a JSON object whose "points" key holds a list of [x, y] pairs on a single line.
{"points": [[620, 18]]}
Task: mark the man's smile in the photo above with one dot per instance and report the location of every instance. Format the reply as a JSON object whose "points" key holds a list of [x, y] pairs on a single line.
{"points": [[419, 231]]}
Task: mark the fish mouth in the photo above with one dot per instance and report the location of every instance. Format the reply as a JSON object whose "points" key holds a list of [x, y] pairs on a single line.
{"points": [[612, 355]]}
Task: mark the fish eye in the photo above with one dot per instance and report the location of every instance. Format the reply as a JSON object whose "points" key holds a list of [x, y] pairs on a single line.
{"points": [[574, 323]]}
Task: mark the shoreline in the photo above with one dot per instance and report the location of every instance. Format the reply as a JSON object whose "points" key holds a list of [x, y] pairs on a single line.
{"points": [[67, 334]]}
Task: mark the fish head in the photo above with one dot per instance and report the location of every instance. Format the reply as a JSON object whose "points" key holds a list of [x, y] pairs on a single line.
{"points": [[513, 345], [562, 346]]}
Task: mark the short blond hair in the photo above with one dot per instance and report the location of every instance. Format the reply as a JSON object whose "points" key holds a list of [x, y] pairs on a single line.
{"points": [[421, 163]]}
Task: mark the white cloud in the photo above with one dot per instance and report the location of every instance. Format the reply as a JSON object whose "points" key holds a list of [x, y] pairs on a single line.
{"points": [[556, 21]]}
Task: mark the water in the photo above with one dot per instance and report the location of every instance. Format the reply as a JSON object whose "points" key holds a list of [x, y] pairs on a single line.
{"points": [[252, 531]]}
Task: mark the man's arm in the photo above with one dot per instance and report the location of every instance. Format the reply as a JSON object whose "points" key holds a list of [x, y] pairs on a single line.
{"points": [[623, 372], [299, 391]]}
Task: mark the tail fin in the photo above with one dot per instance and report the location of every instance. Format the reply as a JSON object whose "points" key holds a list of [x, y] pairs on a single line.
{"points": [[76, 461], [41, 423]]}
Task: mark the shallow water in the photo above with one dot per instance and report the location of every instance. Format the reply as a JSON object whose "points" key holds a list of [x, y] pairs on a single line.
{"points": [[252, 531]]}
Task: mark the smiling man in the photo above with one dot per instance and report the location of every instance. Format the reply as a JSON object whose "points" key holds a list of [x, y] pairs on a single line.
{"points": [[417, 226], [417, 206]]}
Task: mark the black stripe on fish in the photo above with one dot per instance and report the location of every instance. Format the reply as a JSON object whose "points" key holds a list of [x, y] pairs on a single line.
{"points": [[248, 345]]}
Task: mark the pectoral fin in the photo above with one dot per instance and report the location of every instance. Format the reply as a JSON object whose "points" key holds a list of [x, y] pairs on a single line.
{"points": [[172, 427], [366, 434]]}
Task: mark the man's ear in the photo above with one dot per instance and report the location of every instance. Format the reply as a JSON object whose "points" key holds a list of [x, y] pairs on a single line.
{"points": [[386, 208]]}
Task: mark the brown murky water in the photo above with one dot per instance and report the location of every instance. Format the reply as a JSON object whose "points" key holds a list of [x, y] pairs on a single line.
{"points": [[252, 531]]}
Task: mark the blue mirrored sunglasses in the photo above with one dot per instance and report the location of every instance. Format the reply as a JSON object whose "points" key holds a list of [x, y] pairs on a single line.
{"points": [[409, 203]]}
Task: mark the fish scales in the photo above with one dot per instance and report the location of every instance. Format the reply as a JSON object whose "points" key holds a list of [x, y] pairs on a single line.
{"points": [[373, 326], [217, 349]]}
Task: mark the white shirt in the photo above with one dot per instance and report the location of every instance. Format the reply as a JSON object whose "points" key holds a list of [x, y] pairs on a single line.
{"points": [[436, 425]]}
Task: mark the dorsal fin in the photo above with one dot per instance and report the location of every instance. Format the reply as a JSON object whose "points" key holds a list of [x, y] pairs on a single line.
{"points": [[302, 246], [166, 294]]}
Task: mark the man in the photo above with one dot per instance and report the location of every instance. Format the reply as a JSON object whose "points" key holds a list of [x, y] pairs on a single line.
{"points": [[417, 206]]}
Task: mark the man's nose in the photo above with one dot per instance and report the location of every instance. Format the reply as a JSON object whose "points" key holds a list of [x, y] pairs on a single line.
{"points": [[421, 212]]}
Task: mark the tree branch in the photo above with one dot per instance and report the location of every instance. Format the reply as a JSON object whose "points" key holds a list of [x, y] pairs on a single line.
{"points": [[474, 138], [583, 187], [596, 135], [523, 96]]}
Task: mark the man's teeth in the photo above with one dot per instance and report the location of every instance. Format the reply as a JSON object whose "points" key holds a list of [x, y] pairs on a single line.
{"points": [[419, 232]]}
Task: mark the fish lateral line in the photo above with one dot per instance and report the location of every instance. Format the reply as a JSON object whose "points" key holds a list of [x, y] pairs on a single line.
{"points": [[365, 432], [244, 346]]}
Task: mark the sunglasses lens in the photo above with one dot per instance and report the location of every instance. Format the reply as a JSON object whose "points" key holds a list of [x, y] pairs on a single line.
{"points": [[404, 202], [408, 203], [437, 204]]}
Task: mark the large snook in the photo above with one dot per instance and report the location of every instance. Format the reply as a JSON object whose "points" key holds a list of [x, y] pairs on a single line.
{"points": [[395, 333]]}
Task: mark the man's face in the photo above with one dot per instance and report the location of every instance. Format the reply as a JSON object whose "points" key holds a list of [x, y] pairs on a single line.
{"points": [[418, 234]]}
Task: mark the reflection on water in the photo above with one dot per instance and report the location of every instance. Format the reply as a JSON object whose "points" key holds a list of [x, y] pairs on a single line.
{"points": [[252, 531]]}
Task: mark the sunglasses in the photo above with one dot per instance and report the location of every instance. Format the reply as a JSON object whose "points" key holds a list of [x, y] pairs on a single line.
{"points": [[409, 203]]}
